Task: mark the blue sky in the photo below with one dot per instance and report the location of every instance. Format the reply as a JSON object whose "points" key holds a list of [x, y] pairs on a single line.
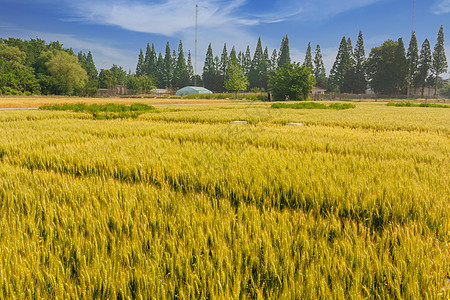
{"points": [[115, 30]]}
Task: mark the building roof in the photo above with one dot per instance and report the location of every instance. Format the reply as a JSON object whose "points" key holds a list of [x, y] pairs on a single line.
{"points": [[191, 90]]}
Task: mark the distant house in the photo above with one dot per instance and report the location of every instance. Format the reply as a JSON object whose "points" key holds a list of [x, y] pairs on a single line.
{"points": [[192, 90], [318, 90]]}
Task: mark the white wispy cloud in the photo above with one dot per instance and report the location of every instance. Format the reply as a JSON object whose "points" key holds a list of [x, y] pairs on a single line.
{"points": [[441, 7]]}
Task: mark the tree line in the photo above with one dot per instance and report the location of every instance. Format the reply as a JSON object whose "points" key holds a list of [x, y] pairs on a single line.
{"points": [[388, 69], [35, 67]]}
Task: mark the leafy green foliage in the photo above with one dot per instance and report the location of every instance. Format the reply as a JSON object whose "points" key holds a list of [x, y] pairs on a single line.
{"points": [[439, 64], [293, 81], [387, 68], [410, 104], [284, 56], [341, 66], [308, 57], [235, 80], [313, 105], [66, 71]]}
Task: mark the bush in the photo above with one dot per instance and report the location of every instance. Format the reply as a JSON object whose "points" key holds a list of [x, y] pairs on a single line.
{"points": [[410, 104], [313, 105]]}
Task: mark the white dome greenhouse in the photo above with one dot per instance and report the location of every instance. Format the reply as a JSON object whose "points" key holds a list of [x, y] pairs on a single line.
{"points": [[192, 90]]}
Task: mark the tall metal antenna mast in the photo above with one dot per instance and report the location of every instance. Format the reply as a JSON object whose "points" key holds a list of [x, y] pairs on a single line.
{"points": [[195, 58]]}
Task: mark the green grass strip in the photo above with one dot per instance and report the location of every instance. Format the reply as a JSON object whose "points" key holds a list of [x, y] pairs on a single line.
{"points": [[409, 104], [313, 105]]}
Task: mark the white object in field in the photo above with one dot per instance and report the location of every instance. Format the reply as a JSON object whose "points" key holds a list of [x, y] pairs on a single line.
{"points": [[238, 122], [294, 124]]}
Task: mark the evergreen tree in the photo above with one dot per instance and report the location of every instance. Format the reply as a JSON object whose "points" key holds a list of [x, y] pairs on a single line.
{"points": [[87, 63], [424, 66], [209, 61], [146, 61], [412, 56], [223, 61], [241, 60], [284, 55], [180, 74], [350, 50], [266, 58], [308, 57], [360, 82], [247, 61], [211, 76], [150, 61], [90, 67], [319, 69], [190, 68], [348, 84], [439, 63], [340, 67], [168, 67], [233, 57], [257, 76], [274, 60], [140, 64], [401, 69], [160, 73]]}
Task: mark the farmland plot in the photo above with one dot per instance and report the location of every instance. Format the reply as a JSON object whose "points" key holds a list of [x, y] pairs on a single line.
{"points": [[180, 203]]}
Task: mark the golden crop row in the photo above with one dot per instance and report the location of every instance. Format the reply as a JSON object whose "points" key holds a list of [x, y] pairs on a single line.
{"points": [[180, 203]]}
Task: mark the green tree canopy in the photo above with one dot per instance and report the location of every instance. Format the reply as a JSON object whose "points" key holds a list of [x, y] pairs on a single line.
{"points": [[439, 63], [424, 66], [235, 80], [340, 67], [308, 57], [319, 69], [66, 71], [284, 54], [386, 68], [291, 80]]}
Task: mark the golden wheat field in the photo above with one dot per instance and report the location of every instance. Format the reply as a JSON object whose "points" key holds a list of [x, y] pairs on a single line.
{"points": [[180, 203]]}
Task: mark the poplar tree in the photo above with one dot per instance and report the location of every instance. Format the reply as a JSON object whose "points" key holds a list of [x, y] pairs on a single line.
{"points": [[412, 56], [308, 57], [319, 69], [140, 64], [424, 66], [284, 55], [340, 67], [439, 63]]}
